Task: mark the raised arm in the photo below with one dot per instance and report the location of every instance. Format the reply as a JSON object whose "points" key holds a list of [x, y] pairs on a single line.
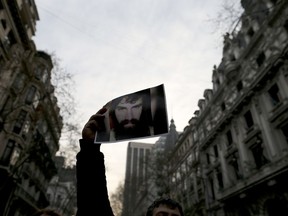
{"points": [[92, 194]]}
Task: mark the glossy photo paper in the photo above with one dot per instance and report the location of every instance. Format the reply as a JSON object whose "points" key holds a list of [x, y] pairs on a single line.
{"points": [[142, 114]]}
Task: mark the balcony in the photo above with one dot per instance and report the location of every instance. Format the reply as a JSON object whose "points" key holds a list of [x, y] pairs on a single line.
{"points": [[279, 114], [262, 176], [252, 135]]}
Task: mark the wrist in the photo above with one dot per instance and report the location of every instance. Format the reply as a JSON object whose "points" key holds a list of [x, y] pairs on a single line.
{"points": [[89, 145]]}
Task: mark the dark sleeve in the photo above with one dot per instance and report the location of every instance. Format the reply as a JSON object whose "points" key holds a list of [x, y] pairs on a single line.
{"points": [[92, 194]]}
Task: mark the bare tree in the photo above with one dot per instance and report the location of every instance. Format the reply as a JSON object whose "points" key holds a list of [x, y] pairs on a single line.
{"points": [[227, 18], [64, 84], [116, 199]]}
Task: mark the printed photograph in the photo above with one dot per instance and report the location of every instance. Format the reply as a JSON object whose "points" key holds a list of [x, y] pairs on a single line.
{"points": [[142, 114]]}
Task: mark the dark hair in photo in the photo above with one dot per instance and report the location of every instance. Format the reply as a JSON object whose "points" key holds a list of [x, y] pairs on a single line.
{"points": [[145, 118]]}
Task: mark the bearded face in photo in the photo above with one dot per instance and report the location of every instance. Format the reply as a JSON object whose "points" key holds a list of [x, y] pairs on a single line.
{"points": [[128, 120]]}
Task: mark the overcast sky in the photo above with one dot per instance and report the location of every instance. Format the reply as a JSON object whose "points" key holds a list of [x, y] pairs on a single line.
{"points": [[116, 47]]}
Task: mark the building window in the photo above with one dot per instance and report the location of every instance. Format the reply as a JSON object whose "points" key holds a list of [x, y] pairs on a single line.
{"points": [[38, 73], [41, 73], [18, 83], [191, 183], [286, 25], [20, 121], [219, 178], [2, 61], [284, 130], [5, 160], [7, 106], [59, 200], [26, 128], [4, 23], [260, 59], [223, 106], [250, 32], [212, 190], [258, 154], [215, 148], [233, 162], [45, 75], [141, 171], [195, 136], [239, 86], [36, 100], [248, 119], [11, 38], [274, 94], [49, 196], [208, 158], [229, 138], [30, 95], [15, 155]]}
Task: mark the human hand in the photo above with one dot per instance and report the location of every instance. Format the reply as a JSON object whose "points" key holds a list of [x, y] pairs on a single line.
{"points": [[95, 123]]}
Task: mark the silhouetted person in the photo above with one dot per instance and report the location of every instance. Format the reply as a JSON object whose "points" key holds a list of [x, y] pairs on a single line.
{"points": [[92, 194]]}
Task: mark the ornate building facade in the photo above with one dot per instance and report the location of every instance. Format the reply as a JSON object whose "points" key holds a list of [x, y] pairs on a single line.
{"points": [[30, 123], [232, 157]]}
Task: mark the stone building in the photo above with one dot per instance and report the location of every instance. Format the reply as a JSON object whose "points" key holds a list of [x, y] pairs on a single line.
{"points": [[30, 123], [61, 191], [144, 178], [232, 157]]}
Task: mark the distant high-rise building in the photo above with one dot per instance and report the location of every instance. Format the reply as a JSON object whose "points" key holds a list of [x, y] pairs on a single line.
{"points": [[135, 176], [140, 189]]}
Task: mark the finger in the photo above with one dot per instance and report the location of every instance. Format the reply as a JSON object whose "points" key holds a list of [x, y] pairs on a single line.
{"points": [[96, 122], [91, 124], [97, 118], [102, 111]]}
